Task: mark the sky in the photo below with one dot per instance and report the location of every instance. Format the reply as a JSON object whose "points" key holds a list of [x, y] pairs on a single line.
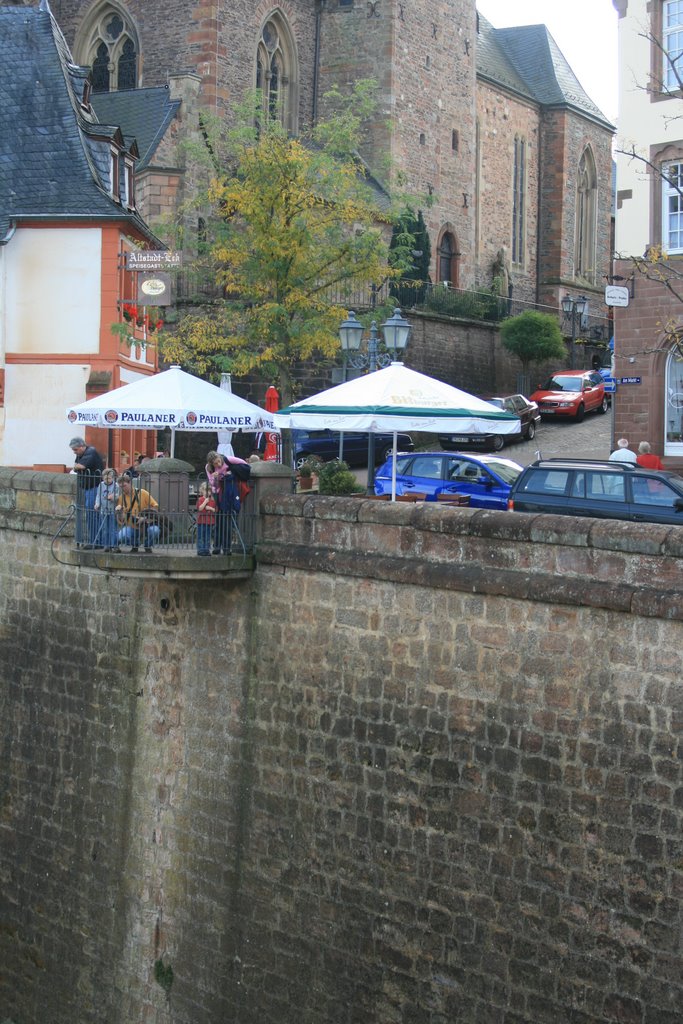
{"points": [[585, 31]]}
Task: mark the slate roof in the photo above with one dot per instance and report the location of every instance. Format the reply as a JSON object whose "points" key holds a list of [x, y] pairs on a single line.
{"points": [[528, 61], [143, 114], [54, 155]]}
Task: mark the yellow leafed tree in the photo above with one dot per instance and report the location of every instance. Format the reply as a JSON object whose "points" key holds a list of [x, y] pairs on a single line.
{"points": [[296, 221]]}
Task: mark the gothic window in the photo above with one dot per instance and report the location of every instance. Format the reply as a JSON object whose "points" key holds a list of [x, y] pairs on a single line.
{"points": [[107, 43], [672, 43], [586, 215], [276, 71], [447, 260], [672, 207], [518, 201]]}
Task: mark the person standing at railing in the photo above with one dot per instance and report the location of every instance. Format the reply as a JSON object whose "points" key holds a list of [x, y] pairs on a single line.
{"points": [[88, 468], [206, 518], [106, 499], [224, 490]]}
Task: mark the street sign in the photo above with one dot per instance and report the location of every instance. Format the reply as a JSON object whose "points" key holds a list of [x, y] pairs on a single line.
{"points": [[616, 296], [629, 380], [153, 259], [610, 386]]}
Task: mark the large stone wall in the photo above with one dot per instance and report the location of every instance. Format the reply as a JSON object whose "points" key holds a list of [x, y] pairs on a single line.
{"points": [[425, 766]]}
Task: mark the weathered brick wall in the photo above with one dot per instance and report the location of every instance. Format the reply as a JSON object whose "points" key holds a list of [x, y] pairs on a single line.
{"points": [[564, 137], [501, 119], [470, 355], [425, 767], [642, 350]]}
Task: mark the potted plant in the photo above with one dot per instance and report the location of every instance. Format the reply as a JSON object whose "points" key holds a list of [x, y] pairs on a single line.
{"points": [[305, 477]]}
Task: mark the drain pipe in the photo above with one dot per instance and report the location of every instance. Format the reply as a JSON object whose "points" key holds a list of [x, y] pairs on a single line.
{"points": [[320, 4]]}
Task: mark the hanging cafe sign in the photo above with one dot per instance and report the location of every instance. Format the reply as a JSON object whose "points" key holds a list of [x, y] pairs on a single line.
{"points": [[154, 281], [153, 259]]}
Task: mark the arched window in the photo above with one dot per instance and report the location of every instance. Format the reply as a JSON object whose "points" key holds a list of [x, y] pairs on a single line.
{"points": [[277, 72], [107, 42], [586, 217], [447, 257], [673, 414]]}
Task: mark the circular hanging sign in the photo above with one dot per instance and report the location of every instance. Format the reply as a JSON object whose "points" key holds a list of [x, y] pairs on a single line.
{"points": [[153, 286]]}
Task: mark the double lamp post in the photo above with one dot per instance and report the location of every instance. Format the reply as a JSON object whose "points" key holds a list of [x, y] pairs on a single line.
{"points": [[396, 331]]}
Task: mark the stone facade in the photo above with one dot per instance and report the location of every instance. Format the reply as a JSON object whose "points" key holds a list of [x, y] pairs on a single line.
{"points": [[424, 766], [443, 128]]}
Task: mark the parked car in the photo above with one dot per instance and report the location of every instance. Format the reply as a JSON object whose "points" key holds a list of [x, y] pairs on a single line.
{"points": [[604, 490], [571, 393], [529, 417], [325, 444], [486, 479]]}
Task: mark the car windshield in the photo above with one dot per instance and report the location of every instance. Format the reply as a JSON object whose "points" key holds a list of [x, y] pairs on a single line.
{"points": [[560, 383], [497, 402], [507, 472]]}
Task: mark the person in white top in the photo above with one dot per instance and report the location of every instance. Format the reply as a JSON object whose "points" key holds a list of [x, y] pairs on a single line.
{"points": [[622, 452]]}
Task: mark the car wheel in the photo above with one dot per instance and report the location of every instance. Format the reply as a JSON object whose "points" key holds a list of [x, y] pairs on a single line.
{"points": [[603, 406], [497, 442], [530, 431], [384, 454], [580, 413], [299, 459]]}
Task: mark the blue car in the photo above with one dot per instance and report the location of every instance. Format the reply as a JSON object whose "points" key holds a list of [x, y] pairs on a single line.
{"points": [[485, 479]]}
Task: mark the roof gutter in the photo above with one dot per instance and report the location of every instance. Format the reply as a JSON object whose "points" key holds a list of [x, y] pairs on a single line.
{"points": [[88, 218], [10, 234]]}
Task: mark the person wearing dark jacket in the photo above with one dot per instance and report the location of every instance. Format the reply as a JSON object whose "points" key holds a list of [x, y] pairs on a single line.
{"points": [[88, 467]]}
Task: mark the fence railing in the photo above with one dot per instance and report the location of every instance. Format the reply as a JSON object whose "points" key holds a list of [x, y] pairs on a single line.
{"points": [[172, 533], [200, 286]]}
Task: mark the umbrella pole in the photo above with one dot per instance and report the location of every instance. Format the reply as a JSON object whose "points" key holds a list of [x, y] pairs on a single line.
{"points": [[172, 442], [393, 468]]}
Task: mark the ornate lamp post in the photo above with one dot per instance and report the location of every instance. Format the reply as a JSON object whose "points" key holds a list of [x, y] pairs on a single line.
{"points": [[572, 311], [396, 331]]}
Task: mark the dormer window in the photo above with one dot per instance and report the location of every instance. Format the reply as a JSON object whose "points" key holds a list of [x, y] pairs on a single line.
{"points": [[87, 89], [114, 174], [128, 197]]}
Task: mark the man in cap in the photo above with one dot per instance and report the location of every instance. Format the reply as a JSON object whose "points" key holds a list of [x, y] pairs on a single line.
{"points": [[88, 468]]}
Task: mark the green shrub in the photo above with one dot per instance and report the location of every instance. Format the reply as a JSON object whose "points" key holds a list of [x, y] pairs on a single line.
{"points": [[336, 478]]}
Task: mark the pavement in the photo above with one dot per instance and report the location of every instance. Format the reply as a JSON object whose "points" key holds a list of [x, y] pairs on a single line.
{"points": [[591, 439]]}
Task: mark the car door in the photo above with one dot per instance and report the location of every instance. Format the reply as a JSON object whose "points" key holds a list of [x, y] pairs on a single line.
{"points": [[423, 473], [601, 495], [465, 476], [521, 408], [654, 501], [593, 391]]}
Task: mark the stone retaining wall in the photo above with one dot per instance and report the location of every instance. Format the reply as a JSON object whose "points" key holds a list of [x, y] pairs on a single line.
{"points": [[424, 766]]}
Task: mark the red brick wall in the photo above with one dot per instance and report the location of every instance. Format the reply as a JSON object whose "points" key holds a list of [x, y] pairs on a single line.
{"points": [[501, 118], [426, 91], [564, 136], [641, 351]]}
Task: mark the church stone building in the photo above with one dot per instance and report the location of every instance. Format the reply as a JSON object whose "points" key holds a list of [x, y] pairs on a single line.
{"points": [[491, 123]]}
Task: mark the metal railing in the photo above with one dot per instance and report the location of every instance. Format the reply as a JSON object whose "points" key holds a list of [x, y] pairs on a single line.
{"points": [[199, 285], [170, 533]]}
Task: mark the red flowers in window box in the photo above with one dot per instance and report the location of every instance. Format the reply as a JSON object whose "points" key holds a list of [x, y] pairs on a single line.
{"points": [[146, 317]]}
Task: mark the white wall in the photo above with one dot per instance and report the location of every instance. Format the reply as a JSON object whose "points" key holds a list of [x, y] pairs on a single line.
{"points": [[37, 399], [642, 124], [53, 291]]}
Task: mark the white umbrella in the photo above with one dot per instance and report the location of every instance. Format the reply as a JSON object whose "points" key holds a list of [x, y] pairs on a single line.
{"points": [[173, 399], [395, 399]]}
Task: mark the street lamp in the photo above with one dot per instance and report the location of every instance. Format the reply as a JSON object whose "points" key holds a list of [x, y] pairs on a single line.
{"points": [[573, 310], [396, 331]]}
